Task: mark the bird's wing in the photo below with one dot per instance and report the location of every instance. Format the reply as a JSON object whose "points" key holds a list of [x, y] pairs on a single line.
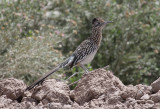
{"points": [[83, 50]]}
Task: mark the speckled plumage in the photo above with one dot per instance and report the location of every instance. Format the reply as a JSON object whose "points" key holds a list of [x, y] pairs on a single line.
{"points": [[84, 53]]}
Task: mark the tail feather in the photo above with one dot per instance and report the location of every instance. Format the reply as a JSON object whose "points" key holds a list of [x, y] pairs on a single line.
{"points": [[40, 80]]}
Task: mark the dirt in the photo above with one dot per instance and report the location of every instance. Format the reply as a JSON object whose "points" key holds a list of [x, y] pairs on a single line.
{"points": [[99, 89]]}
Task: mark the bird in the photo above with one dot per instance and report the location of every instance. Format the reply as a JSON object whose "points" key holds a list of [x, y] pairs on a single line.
{"points": [[83, 54]]}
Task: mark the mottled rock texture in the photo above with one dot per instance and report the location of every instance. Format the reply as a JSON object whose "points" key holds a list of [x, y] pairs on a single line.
{"points": [[98, 89]]}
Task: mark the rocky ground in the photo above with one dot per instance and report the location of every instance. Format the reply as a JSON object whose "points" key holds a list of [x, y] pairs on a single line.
{"points": [[98, 89]]}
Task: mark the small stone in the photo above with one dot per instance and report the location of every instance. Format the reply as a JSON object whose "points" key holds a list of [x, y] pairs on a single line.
{"points": [[92, 104], [114, 100], [28, 105], [145, 97], [44, 101], [118, 106], [141, 101], [67, 107], [148, 106], [156, 106], [149, 102], [139, 94], [130, 99], [54, 105], [124, 95]]}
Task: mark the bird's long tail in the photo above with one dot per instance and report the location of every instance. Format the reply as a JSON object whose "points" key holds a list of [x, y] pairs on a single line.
{"points": [[40, 80]]}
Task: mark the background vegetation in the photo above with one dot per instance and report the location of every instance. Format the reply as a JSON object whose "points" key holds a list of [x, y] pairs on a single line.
{"points": [[36, 35]]}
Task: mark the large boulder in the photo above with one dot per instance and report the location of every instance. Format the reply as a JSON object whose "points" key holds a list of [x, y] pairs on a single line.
{"points": [[12, 88], [94, 84], [52, 91]]}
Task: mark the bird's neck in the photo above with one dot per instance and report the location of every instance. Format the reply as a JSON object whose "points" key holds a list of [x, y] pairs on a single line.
{"points": [[96, 36]]}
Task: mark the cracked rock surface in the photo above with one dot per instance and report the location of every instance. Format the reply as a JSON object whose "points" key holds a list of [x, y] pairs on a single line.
{"points": [[97, 89]]}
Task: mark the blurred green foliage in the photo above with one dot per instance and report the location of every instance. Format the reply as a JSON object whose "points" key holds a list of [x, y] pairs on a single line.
{"points": [[38, 31], [27, 40]]}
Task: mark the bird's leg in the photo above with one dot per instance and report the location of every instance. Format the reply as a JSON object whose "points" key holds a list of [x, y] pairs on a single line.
{"points": [[84, 68], [72, 75], [86, 71], [74, 82]]}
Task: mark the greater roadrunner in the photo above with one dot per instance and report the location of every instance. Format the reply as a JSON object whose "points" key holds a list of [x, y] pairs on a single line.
{"points": [[84, 53]]}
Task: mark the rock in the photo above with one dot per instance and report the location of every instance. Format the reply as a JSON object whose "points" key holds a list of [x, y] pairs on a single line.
{"points": [[52, 91], [7, 103], [120, 106], [135, 92], [149, 102], [54, 105], [67, 107], [155, 97], [130, 102], [145, 97], [4, 101], [130, 92], [27, 105], [114, 100], [29, 99], [156, 85], [140, 101], [98, 89], [156, 106], [12, 88], [76, 106], [148, 106], [94, 84]]}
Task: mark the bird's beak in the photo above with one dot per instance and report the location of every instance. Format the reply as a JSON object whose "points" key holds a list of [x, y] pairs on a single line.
{"points": [[106, 22]]}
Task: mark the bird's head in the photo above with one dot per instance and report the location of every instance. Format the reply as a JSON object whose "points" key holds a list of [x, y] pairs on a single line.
{"points": [[99, 23]]}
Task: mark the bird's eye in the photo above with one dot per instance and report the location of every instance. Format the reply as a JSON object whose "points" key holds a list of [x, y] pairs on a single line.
{"points": [[97, 23]]}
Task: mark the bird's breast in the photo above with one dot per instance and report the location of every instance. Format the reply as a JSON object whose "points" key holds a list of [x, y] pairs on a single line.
{"points": [[89, 58]]}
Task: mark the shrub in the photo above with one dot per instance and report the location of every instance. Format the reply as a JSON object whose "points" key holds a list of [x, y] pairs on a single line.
{"points": [[30, 58], [130, 45]]}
